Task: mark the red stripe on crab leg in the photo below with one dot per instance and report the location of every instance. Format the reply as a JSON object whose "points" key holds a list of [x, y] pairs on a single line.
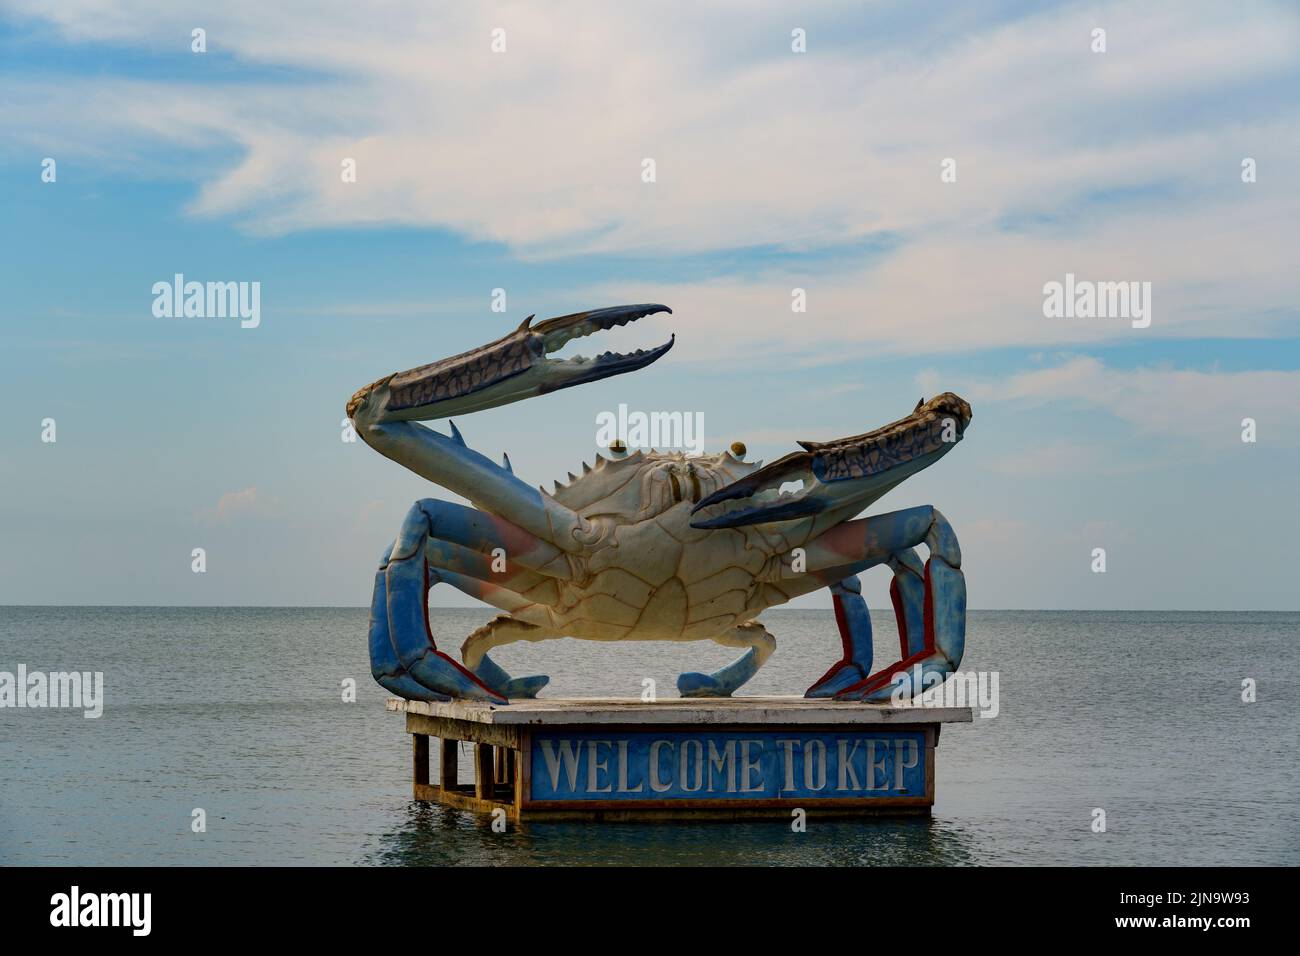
{"points": [[854, 620], [907, 591], [930, 604], [897, 600], [944, 643]]}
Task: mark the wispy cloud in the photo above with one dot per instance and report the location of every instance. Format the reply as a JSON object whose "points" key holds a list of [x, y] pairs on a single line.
{"points": [[236, 504], [1204, 407], [1122, 165]]}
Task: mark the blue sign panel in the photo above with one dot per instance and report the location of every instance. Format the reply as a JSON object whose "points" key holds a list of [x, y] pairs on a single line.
{"points": [[725, 765]]}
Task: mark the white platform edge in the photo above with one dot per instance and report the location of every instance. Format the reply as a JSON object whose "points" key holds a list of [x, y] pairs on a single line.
{"points": [[734, 710]]}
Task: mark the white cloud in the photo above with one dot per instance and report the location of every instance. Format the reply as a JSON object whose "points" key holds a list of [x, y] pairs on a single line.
{"points": [[1215, 271], [1123, 165], [1205, 407], [235, 504]]}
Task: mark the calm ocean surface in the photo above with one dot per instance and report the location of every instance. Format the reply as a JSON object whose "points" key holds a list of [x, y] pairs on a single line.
{"points": [[239, 711]]}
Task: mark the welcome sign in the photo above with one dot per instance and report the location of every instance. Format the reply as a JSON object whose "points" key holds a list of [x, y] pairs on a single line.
{"points": [[614, 759], [633, 766]]}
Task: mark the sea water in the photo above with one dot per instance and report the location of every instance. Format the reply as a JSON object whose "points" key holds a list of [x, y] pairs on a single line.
{"points": [[240, 713]]}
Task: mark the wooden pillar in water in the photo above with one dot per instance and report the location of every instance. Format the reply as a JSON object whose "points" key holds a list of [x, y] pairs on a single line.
{"points": [[420, 759], [484, 771], [448, 769]]}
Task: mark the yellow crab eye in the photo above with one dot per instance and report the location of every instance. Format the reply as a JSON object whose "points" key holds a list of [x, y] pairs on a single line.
{"points": [[738, 449]]}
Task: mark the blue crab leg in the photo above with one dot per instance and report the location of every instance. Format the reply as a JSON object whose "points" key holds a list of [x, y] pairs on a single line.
{"points": [[854, 621], [866, 542], [907, 591], [455, 545], [503, 599], [448, 462], [407, 583], [463, 545], [942, 613], [727, 680], [448, 556], [386, 669], [503, 629], [477, 531], [522, 614], [855, 546]]}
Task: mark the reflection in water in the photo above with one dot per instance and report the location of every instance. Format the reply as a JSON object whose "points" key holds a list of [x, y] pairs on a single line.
{"points": [[440, 836]]}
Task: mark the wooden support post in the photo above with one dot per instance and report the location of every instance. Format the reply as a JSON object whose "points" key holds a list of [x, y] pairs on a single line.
{"points": [[420, 759], [483, 767], [521, 761], [447, 764], [504, 769]]}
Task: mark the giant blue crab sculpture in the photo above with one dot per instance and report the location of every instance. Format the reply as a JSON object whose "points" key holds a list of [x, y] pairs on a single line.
{"points": [[649, 546]]}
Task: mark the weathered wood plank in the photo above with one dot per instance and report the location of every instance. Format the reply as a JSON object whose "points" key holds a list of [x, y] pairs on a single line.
{"points": [[457, 729], [463, 800]]}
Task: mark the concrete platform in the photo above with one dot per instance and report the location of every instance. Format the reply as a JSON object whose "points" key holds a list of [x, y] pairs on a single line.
{"points": [[576, 711], [675, 759]]}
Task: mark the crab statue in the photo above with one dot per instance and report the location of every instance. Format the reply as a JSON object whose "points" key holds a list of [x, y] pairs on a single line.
{"points": [[649, 546]]}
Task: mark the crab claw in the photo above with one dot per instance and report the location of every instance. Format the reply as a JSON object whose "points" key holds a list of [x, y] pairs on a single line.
{"points": [[514, 367], [848, 473]]}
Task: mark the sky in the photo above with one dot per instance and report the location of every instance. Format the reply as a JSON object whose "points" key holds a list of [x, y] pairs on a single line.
{"points": [[921, 171]]}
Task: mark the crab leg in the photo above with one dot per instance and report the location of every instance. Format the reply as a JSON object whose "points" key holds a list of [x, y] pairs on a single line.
{"points": [[941, 599], [448, 462], [488, 536], [854, 621], [386, 669], [726, 680], [907, 592], [513, 590], [866, 542], [524, 617], [406, 581], [385, 664], [503, 630], [445, 542], [929, 599]]}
